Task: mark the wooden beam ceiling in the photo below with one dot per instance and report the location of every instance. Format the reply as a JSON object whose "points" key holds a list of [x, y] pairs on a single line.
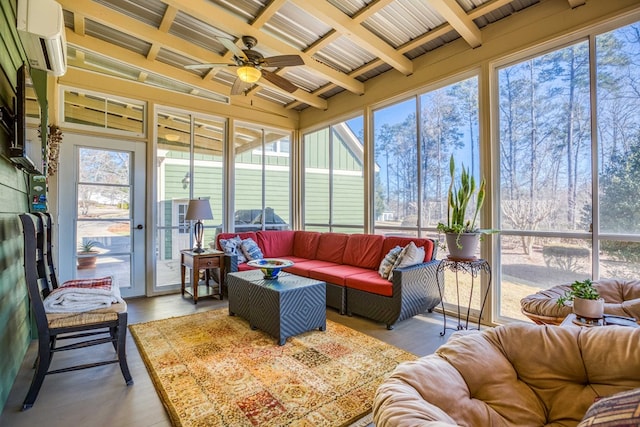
{"points": [[346, 26], [157, 38]]}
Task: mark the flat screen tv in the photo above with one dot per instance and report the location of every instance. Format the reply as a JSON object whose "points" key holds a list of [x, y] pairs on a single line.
{"points": [[26, 149]]}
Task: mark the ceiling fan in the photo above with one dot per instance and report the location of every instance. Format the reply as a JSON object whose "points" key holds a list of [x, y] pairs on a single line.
{"points": [[251, 66]]}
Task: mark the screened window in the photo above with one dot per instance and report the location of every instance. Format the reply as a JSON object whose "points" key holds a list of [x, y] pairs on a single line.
{"points": [[262, 178], [334, 178], [413, 141], [189, 164], [554, 229]]}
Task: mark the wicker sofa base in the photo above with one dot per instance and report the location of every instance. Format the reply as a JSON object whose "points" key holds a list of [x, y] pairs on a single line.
{"points": [[417, 292], [337, 297]]}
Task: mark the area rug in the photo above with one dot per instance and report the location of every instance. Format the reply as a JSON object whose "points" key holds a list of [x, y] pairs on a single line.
{"points": [[211, 369]]}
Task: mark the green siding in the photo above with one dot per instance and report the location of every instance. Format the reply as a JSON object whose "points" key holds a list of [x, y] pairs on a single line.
{"points": [[347, 185], [14, 302], [166, 206]]}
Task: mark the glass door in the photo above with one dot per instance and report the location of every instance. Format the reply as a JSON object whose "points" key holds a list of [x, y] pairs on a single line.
{"points": [[189, 164], [102, 213]]}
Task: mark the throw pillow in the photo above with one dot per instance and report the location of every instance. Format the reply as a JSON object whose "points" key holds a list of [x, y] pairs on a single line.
{"points": [[250, 249], [618, 410], [232, 247], [387, 262], [410, 255]]}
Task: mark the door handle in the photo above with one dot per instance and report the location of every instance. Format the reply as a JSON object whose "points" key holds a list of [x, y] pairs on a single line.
{"points": [[139, 226]]}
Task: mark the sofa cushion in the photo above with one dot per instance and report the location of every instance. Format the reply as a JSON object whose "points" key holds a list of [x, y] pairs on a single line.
{"points": [[250, 249], [363, 250], [336, 274], [233, 246], [331, 247], [410, 255], [305, 244], [618, 410], [276, 244], [245, 267], [242, 236], [370, 281], [393, 241], [303, 268], [388, 261], [294, 259]]}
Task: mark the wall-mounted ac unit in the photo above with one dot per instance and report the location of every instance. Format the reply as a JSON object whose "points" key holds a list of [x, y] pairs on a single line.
{"points": [[40, 25]]}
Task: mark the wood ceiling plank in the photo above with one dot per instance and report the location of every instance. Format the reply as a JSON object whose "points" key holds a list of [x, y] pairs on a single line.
{"points": [[168, 18], [138, 61], [153, 52], [343, 24], [459, 20], [137, 29], [266, 13], [576, 3], [322, 42], [370, 10], [487, 7], [78, 23]]}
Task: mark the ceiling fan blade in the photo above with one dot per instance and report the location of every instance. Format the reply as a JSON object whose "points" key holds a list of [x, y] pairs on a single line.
{"points": [[279, 81], [231, 46], [209, 65], [239, 87], [282, 61]]}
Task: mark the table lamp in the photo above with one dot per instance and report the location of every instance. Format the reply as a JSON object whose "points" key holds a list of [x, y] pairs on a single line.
{"points": [[198, 210]]}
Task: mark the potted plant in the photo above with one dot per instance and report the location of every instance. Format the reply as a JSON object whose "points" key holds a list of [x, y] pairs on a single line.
{"points": [[586, 300], [462, 234], [87, 254]]}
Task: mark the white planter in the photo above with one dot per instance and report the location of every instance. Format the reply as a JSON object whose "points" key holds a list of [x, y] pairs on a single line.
{"points": [[588, 308], [462, 246]]}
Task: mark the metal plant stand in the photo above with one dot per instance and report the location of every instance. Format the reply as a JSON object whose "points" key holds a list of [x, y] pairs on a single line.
{"points": [[472, 267]]}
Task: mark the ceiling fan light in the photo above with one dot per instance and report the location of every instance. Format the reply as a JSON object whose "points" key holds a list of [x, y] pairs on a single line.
{"points": [[249, 74]]}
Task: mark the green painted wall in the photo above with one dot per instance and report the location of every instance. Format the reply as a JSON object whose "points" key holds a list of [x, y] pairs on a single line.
{"points": [[14, 303]]}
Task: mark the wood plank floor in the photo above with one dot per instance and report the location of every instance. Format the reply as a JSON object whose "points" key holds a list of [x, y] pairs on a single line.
{"points": [[99, 396]]}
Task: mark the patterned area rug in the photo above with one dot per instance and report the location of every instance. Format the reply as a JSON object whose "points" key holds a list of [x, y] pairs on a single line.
{"points": [[211, 369]]}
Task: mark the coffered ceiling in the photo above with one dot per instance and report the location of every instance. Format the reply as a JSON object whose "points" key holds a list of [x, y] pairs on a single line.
{"points": [[343, 43]]}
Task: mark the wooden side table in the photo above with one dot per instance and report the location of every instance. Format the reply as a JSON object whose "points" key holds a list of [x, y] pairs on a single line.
{"points": [[201, 261]]}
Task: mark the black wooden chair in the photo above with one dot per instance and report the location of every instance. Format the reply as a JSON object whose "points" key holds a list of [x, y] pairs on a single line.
{"points": [[83, 328]]}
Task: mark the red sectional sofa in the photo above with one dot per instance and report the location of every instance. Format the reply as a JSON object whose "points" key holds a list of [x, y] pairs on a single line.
{"points": [[348, 263]]}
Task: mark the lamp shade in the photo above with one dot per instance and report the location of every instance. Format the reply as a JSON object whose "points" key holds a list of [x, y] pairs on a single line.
{"points": [[199, 209], [249, 74]]}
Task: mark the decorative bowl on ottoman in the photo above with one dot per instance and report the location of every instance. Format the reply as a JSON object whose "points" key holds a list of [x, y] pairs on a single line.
{"points": [[270, 266]]}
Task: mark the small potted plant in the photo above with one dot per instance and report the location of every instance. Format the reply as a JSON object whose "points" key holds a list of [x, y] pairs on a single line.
{"points": [[87, 254], [462, 234], [586, 300]]}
